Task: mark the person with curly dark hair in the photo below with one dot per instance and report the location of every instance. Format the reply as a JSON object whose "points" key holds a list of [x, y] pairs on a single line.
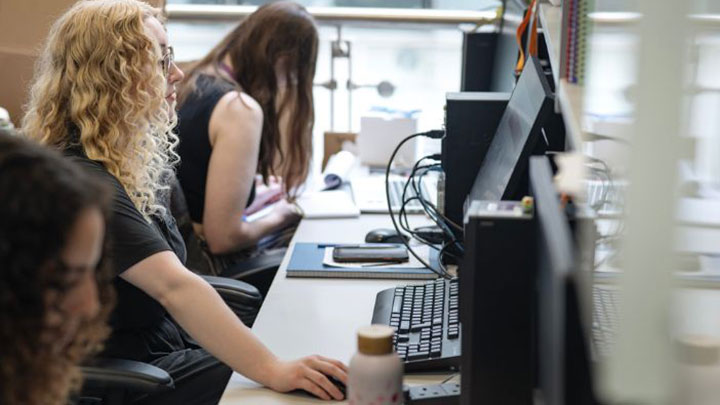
{"points": [[55, 294]]}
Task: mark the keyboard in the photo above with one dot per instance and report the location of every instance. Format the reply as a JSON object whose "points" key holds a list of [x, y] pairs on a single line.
{"points": [[605, 320], [396, 187], [426, 321]]}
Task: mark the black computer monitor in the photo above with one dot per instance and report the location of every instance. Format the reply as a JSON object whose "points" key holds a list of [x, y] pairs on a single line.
{"points": [[502, 173], [489, 59], [506, 48], [562, 358]]}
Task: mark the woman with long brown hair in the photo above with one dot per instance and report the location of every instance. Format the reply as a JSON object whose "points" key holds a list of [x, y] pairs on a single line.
{"points": [[247, 109], [55, 293], [104, 93]]}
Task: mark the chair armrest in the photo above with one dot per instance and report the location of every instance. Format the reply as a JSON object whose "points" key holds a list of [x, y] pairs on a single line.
{"points": [[127, 375], [262, 262], [243, 298]]}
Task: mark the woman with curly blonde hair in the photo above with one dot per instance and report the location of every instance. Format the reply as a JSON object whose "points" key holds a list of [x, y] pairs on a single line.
{"points": [[104, 93], [55, 294]]}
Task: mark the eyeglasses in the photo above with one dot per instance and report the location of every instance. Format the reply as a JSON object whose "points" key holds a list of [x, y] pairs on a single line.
{"points": [[167, 60]]}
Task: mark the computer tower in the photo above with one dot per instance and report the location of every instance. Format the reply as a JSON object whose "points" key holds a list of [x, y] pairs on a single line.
{"points": [[497, 305], [478, 53], [471, 119]]}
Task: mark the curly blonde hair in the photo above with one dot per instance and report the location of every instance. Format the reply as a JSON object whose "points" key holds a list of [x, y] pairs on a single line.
{"points": [[99, 84]]}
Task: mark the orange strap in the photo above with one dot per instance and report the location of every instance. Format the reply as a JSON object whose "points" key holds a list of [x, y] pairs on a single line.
{"points": [[532, 45]]}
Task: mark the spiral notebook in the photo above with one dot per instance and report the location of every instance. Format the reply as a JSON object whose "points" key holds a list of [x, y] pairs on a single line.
{"points": [[307, 260]]}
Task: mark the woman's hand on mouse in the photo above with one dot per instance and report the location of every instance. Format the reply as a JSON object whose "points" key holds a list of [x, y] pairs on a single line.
{"points": [[309, 374]]}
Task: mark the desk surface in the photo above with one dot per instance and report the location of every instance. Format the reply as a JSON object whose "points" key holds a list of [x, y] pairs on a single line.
{"points": [[303, 316]]}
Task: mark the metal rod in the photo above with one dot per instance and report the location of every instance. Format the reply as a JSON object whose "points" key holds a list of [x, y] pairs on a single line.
{"points": [[610, 18], [332, 80], [205, 12], [349, 88]]}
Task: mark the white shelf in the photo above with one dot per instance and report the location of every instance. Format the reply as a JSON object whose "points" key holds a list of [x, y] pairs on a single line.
{"points": [[569, 96]]}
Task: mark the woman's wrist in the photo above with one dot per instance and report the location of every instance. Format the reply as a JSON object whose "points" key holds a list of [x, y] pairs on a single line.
{"points": [[268, 371]]}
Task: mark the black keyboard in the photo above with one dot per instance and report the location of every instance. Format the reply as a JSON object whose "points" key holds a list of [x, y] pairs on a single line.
{"points": [[606, 310], [426, 321]]}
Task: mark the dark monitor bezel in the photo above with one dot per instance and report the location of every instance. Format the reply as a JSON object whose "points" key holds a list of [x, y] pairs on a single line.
{"points": [[564, 375], [519, 171], [555, 258]]}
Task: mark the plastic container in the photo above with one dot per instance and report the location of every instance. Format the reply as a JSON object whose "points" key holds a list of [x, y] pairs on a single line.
{"points": [[376, 372]]}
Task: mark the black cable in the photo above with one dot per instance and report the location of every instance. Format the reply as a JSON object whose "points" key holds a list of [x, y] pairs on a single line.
{"points": [[405, 200], [428, 205], [441, 224], [404, 222], [432, 134], [415, 181], [429, 209]]}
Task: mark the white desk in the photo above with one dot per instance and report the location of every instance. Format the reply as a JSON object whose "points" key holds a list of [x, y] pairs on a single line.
{"points": [[303, 316]]}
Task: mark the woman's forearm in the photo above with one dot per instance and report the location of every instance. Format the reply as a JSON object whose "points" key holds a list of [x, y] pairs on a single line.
{"points": [[200, 310], [242, 234]]}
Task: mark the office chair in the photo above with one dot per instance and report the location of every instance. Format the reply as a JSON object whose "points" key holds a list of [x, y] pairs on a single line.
{"points": [[109, 381], [258, 270]]}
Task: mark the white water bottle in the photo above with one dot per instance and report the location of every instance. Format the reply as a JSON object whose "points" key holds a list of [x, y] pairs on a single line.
{"points": [[376, 372]]}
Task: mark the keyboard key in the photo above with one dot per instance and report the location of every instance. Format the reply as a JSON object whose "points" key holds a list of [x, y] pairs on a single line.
{"points": [[418, 355], [404, 327], [403, 337], [397, 306], [419, 326]]}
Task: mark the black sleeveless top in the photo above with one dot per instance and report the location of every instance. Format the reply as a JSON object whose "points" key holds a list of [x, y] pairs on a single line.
{"points": [[194, 148]]}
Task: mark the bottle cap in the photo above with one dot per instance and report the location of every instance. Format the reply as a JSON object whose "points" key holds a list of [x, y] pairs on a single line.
{"points": [[375, 339]]}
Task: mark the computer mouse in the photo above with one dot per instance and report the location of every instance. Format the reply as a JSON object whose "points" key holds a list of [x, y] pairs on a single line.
{"points": [[339, 384], [384, 235]]}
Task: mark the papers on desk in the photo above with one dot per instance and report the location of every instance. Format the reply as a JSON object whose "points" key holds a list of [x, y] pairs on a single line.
{"points": [[327, 204], [318, 204]]}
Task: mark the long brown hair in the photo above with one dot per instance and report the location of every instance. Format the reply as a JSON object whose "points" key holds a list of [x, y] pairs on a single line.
{"points": [[277, 33]]}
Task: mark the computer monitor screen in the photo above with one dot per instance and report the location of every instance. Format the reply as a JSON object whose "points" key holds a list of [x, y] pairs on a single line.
{"points": [[516, 137], [563, 365], [554, 264], [506, 49]]}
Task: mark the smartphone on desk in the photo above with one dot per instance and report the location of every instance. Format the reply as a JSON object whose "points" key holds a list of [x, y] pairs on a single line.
{"points": [[376, 253]]}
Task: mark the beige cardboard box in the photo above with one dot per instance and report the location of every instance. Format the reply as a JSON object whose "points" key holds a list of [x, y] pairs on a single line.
{"points": [[24, 24], [332, 143]]}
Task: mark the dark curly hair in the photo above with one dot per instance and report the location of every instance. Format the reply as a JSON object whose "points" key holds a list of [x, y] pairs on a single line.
{"points": [[42, 195]]}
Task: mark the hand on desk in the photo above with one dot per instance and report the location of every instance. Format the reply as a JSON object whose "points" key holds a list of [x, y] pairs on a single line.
{"points": [[310, 374]]}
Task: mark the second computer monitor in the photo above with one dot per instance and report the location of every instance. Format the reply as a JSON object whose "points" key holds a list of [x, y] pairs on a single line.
{"points": [[504, 167], [564, 375]]}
